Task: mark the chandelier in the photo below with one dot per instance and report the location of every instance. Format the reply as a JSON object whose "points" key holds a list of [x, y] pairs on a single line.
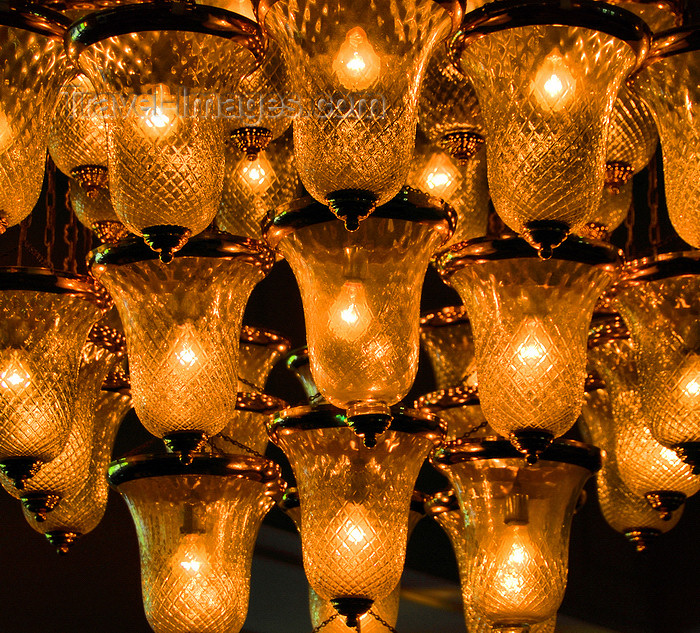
{"points": [[535, 160]]}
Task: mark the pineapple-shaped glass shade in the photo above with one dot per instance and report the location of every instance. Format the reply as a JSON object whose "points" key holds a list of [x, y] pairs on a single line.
{"points": [[659, 15], [361, 295], [546, 84], [530, 319], [94, 209], [659, 300], [356, 69], [66, 474], [613, 209], [33, 70], [671, 87], [196, 527], [81, 512], [182, 323], [517, 518], [459, 409], [45, 318], [463, 186], [355, 501], [648, 468], [166, 153], [624, 511], [253, 188]]}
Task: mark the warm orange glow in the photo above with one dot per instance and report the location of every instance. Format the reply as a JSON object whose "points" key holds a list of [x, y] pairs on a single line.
{"points": [[14, 376], [6, 135], [554, 86], [257, 174], [351, 315], [356, 64], [440, 176], [532, 348]]}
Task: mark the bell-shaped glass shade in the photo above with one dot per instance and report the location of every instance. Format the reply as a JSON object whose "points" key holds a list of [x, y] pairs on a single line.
{"points": [[530, 320], [355, 501], [81, 512], [671, 88], [356, 70], [459, 408], [613, 209], [182, 323], [45, 318], [33, 69], [660, 301], [196, 527], [252, 188], [361, 295], [546, 84], [518, 518], [165, 98], [94, 209], [259, 352], [648, 468]]}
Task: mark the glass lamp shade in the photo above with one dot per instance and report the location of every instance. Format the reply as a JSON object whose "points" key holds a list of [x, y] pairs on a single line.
{"points": [[81, 512], [613, 209], [94, 209], [355, 501], [361, 297], [648, 468], [298, 363], [659, 300], [172, 81], [182, 323], [459, 408], [45, 318], [196, 527], [356, 70], [670, 85], [518, 518], [252, 188], [530, 320], [546, 78], [259, 352], [33, 69]]}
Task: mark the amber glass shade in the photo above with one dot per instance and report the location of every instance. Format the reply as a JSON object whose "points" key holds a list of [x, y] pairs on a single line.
{"points": [[45, 318], [182, 323], [252, 188], [361, 295], [95, 211], [517, 518], [356, 71], [355, 501], [176, 79], [81, 512], [546, 93], [530, 320], [613, 209], [33, 70], [671, 88], [196, 527], [259, 352], [459, 408]]}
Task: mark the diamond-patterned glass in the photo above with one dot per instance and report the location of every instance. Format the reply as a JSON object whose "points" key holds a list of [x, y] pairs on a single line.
{"points": [[247, 427], [613, 209], [259, 352], [95, 211]]}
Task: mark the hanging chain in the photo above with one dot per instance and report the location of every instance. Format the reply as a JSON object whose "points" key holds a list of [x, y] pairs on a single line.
{"points": [[50, 227], [247, 449], [382, 621], [653, 200], [23, 228], [629, 226], [247, 383], [325, 623]]}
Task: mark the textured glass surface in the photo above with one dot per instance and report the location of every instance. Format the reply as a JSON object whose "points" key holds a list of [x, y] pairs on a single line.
{"points": [[259, 352], [196, 537], [663, 320], [354, 507], [81, 512], [518, 561], [644, 464], [547, 94], [356, 69], [41, 337], [33, 69], [671, 88], [78, 134], [530, 320], [361, 296], [467, 420], [181, 142], [182, 323], [612, 211], [251, 189], [95, 211], [248, 428]]}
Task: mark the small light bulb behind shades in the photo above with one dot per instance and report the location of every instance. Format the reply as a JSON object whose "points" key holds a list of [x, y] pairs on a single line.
{"points": [[554, 86], [356, 64]]}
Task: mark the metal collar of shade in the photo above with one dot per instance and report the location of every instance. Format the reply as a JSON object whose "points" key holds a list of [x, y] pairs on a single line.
{"points": [[57, 282], [264, 338], [665, 266], [450, 398], [589, 14], [249, 467], [675, 7], [259, 403], [108, 338], [465, 450], [307, 418], [449, 315], [163, 16], [214, 245], [37, 19], [441, 502], [605, 328], [410, 205], [483, 250], [684, 39]]}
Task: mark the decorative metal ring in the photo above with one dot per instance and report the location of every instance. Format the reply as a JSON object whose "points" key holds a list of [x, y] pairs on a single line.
{"points": [[485, 249], [665, 266], [449, 315], [259, 403], [265, 338], [84, 6], [30, 17], [249, 467], [214, 245], [605, 328], [163, 16], [677, 41], [298, 357], [509, 14], [451, 398], [108, 338], [58, 282], [565, 451], [441, 502]]}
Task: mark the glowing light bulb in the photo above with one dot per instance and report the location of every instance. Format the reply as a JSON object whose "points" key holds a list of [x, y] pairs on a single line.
{"points": [[440, 176], [692, 387], [532, 351], [14, 376], [190, 555], [554, 86], [357, 65], [258, 175], [350, 315]]}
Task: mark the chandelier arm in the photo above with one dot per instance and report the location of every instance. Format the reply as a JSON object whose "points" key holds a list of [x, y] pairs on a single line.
{"points": [[30, 17]]}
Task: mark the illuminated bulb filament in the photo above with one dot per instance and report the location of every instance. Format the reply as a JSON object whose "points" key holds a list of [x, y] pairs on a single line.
{"points": [[350, 315], [14, 377], [186, 357], [257, 175], [356, 65], [554, 85]]}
